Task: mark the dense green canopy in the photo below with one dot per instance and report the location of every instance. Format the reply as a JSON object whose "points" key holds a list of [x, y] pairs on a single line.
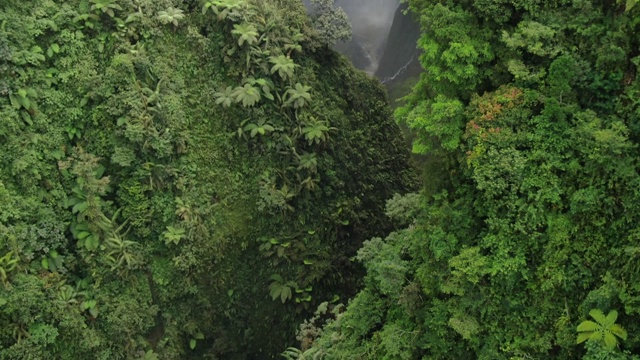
{"points": [[528, 115], [181, 179], [195, 179]]}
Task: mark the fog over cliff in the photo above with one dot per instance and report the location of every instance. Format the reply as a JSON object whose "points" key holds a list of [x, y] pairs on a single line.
{"points": [[371, 21], [400, 58]]}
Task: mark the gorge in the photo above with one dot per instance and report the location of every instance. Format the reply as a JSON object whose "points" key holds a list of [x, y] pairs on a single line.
{"points": [[383, 40]]}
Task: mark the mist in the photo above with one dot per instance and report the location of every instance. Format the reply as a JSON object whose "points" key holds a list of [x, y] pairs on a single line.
{"points": [[371, 21]]}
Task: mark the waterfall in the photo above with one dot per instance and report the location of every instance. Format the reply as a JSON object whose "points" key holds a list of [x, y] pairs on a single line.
{"points": [[384, 39]]}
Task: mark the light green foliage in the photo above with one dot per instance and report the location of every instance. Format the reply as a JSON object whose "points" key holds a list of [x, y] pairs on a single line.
{"points": [[246, 95], [535, 38], [308, 162], [298, 95], [595, 351], [403, 208], [7, 264], [441, 118], [315, 131], [468, 266], [105, 6], [173, 235], [383, 265], [283, 65], [604, 330], [628, 4], [171, 16], [246, 33], [297, 354], [224, 9], [225, 97], [261, 128]]}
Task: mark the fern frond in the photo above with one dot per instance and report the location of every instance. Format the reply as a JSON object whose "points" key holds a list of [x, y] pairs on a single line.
{"points": [[598, 315]]}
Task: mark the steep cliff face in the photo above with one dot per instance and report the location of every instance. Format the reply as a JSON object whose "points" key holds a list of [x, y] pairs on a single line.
{"points": [[371, 21], [384, 39], [399, 59]]}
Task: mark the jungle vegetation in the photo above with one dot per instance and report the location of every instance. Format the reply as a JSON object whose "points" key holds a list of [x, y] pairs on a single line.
{"points": [[182, 179], [209, 180], [526, 231]]}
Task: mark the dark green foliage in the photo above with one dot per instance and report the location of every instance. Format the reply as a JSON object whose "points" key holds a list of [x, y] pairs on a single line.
{"points": [[162, 167]]}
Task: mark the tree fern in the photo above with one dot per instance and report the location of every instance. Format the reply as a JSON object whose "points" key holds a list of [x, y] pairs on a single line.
{"points": [[283, 65], [105, 6], [225, 8], [248, 95], [246, 33], [170, 16], [296, 354], [297, 96], [260, 128], [603, 330], [225, 97], [265, 85]]}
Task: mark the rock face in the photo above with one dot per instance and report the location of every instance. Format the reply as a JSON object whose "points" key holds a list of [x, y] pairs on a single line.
{"points": [[371, 21], [400, 58], [384, 39]]}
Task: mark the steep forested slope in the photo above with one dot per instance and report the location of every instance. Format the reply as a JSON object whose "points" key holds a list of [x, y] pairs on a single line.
{"points": [[528, 114], [180, 179]]}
